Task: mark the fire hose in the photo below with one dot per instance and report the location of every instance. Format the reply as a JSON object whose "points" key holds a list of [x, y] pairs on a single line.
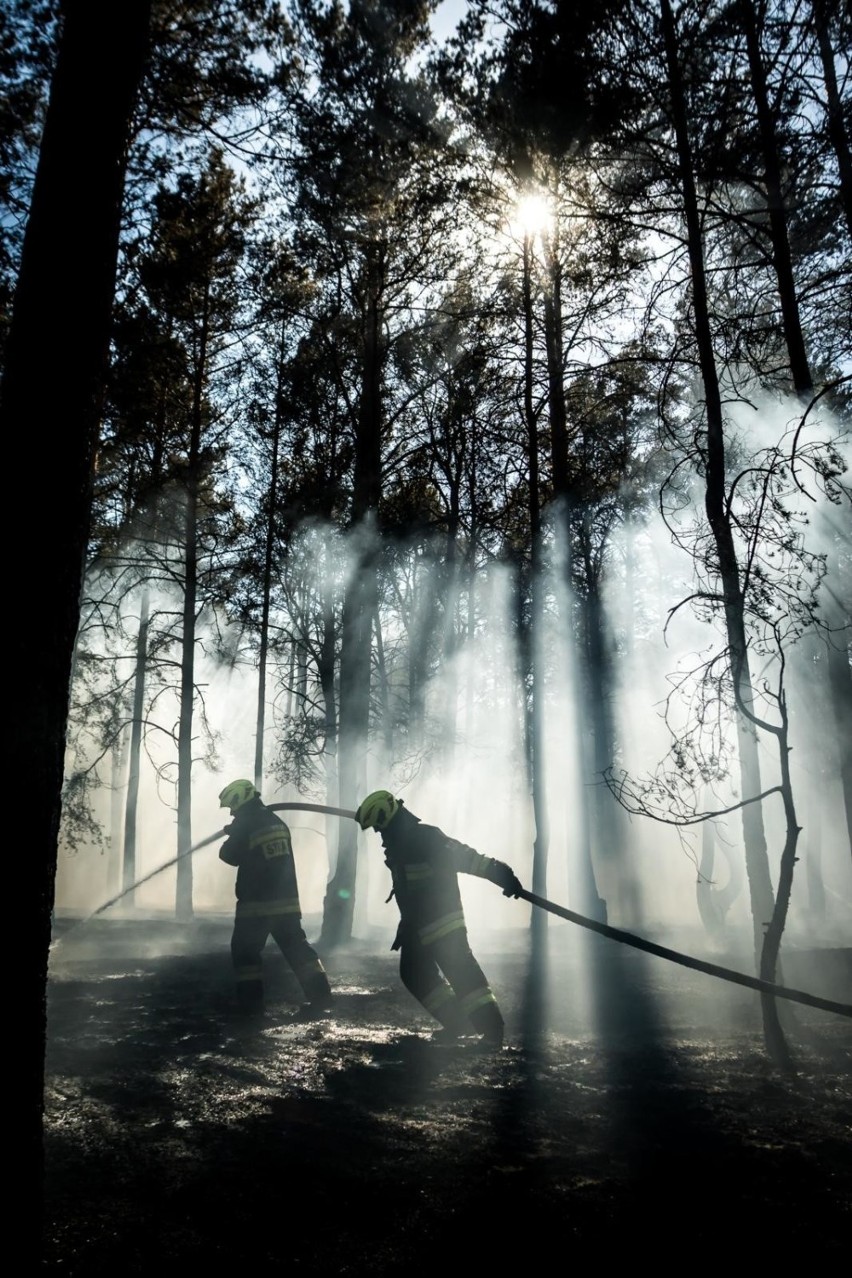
{"points": [[213, 838], [674, 956], [311, 807], [603, 929]]}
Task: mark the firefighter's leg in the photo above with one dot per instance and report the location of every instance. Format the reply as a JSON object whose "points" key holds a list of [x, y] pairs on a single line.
{"points": [[247, 942], [290, 937], [475, 997], [421, 977]]}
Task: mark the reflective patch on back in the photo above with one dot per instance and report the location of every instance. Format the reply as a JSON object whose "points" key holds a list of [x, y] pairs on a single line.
{"points": [[271, 844]]}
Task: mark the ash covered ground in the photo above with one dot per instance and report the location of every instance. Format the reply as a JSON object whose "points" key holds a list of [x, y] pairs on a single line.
{"points": [[631, 1121]]}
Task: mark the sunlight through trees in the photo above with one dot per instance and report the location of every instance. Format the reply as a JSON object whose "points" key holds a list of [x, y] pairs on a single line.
{"points": [[475, 423]]}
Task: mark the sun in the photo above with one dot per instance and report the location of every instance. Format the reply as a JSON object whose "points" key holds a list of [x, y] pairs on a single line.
{"points": [[533, 215]]}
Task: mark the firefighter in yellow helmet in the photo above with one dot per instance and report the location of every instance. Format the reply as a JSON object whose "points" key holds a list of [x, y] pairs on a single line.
{"points": [[436, 963], [259, 845]]}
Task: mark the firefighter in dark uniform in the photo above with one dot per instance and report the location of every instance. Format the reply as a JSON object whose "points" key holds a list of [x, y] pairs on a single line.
{"points": [[259, 845], [436, 963]]}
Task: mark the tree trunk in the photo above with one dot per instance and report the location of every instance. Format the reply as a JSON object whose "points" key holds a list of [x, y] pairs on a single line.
{"points": [[835, 610], [55, 366], [834, 108], [183, 900], [705, 893], [359, 606], [607, 842], [582, 883], [290, 703], [553, 334], [449, 636], [775, 929], [534, 627], [781, 257], [128, 878], [715, 901], [421, 631], [813, 861], [840, 676], [266, 583], [757, 861], [328, 649], [119, 773], [355, 661], [383, 695], [628, 899]]}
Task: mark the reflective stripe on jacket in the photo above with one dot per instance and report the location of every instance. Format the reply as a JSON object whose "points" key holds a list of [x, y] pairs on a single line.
{"points": [[425, 864]]}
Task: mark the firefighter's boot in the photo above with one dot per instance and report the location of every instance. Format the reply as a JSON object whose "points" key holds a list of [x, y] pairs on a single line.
{"points": [[250, 999], [441, 1001], [488, 1022], [318, 993]]}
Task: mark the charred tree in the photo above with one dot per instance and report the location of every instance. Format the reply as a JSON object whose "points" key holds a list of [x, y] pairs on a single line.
{"points": [[719, 520], [55, 366]]}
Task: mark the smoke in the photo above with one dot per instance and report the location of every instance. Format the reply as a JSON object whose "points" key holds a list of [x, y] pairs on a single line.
{"points": [[461, 762], [790, 472]]}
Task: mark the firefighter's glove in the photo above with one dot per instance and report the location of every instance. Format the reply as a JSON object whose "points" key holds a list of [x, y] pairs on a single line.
{"points": [[504, 876]]}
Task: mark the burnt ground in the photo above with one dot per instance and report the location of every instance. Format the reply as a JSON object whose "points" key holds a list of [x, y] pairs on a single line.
{"points": [[609, 1132]]}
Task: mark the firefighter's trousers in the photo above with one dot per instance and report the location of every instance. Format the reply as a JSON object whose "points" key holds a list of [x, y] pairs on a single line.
{"points": [[446, 978], [252, 928]]}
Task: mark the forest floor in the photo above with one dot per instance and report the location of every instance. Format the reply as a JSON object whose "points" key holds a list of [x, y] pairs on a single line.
{"points": [[637, 1122]]}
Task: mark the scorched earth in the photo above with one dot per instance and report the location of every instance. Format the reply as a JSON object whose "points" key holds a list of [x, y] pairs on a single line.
{"points": [[631, 1119]]}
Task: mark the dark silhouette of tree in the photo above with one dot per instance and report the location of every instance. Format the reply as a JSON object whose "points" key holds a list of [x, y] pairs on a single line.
{"points": [[27, 56], [55, 365], [779, 233], [719, 520], [837, 26]]}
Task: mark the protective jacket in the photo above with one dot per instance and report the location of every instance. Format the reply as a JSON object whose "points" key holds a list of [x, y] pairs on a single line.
{"points": [[259, 845], [436, 963], [425, 864]]}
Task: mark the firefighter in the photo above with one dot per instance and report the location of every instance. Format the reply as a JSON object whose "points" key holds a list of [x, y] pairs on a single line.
{"points": [[436, 963], [259, 845]]}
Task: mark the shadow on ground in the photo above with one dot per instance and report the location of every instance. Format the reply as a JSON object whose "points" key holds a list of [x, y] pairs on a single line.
{"points": [[637, 1123]]}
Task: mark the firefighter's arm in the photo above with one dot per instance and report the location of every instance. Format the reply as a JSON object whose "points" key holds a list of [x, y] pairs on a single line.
{"points": [[230, 851], [504, 876], [469, 861]]}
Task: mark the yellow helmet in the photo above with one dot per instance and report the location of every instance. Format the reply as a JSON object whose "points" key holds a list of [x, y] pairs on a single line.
{"points": [[377, 811], [236, 794]]}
